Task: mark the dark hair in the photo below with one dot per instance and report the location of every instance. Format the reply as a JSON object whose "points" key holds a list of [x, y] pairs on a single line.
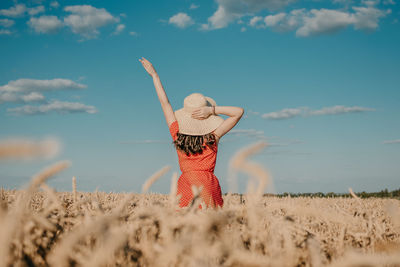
{"points": [[194, 144]]}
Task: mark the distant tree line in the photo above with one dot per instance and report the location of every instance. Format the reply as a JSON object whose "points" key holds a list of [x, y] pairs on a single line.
{"points": [[381, 194]]}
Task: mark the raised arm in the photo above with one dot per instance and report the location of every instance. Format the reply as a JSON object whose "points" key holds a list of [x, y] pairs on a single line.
{"points": [[162, 96], [234, 113]]}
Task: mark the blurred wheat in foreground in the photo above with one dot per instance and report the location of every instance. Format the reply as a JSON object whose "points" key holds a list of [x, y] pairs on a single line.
{"points": [[41, 227]]}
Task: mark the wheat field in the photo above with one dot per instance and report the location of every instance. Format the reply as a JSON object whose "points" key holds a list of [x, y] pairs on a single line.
{"points": [[42, 227]]}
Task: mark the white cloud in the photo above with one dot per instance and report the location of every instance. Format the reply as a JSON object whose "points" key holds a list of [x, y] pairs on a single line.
{"points": [[20, 9], [230, 10], [247, 132], [119, 29], [396, 141], [282, 114], [133, 33], [28, 90], [15, 11], [32, 96], [54, 4], [204, 27], [8, 97], [283, 22], [15, 97], [322, 21], [370, 2], [221, 18], [5, 32], [366, 18], [255, 20], [273, 20], [194, 6], [29, 85], [389, 2], [6, 22], [56, 106], [45, 24], [181, 20], [35, 10], [305, 111], [338, 110], [85, 20]]}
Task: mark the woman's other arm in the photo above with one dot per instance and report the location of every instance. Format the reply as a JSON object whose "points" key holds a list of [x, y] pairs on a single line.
{"points": [[162, 96]]}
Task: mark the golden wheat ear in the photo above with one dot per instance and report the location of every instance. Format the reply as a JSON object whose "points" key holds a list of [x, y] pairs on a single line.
{"points": [[240, 163], [74, 189], [22, 149], [146, 186]]}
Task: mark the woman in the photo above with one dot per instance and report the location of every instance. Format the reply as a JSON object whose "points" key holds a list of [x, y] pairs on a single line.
{"points": [[196, 130]]}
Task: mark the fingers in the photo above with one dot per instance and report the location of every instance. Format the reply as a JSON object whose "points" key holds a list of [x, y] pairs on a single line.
{"points": [[195, 115], [144, 61], [198, 115], [146, 64]]}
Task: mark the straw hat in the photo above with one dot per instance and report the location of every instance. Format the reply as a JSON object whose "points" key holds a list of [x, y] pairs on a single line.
{"points": [[191, 126]]}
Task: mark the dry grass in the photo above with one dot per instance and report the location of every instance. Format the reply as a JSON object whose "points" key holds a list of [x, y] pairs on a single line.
{"points": [[28, 149], [41, 227]]}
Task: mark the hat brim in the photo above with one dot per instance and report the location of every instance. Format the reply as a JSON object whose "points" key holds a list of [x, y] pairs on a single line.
{"points": [[191, 126]]}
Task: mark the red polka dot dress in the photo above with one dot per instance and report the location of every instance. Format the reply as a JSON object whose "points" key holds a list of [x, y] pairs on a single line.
{"points": [[197, 170]]}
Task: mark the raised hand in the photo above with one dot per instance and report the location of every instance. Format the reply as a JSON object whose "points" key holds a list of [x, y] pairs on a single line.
{"points": [[148, 67]]}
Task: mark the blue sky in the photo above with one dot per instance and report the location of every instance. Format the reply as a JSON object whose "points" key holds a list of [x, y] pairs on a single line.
{"points": [[319, 82]]}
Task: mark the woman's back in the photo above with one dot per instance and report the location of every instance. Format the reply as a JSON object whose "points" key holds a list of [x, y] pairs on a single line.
{"points": [[197, 170], [204, 161]]}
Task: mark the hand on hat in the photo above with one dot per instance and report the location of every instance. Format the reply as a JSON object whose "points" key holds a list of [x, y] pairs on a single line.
{"points": [[148, 66], [202, 113]]}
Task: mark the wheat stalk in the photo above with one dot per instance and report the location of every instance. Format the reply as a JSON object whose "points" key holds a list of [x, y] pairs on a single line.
{"points": [[74, 188], [27, 149], [146, 186], [173, 189]]}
